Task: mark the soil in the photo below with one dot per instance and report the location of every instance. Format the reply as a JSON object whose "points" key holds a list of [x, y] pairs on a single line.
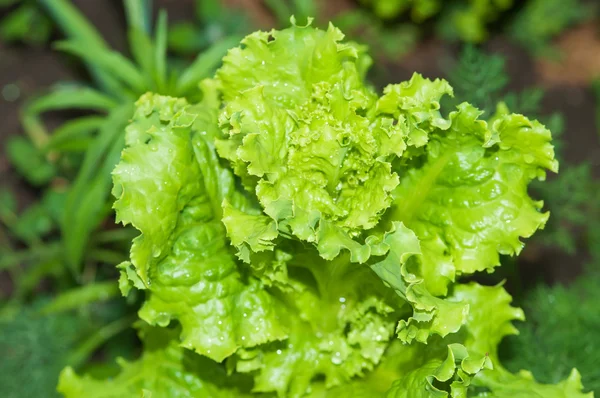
{"points": [[34, 69]]}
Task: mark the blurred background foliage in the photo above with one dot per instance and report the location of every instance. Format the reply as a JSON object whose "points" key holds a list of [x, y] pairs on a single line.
{"points": [[58, 241]]}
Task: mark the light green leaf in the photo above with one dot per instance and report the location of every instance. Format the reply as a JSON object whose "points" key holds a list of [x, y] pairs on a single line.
{"points": [[466, 196], [489, 321], [431, 315], [182, 255], [458, 366], [304, 135], [164, 370]]}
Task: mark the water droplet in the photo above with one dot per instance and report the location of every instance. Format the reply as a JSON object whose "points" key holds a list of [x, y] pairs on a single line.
{"points": [[528, 158], [245, 315], [278, 352], [342, 299], [243, 337], [220, 322]]}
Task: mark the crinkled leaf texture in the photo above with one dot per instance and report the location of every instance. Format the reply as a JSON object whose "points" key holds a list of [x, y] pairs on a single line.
{"points": [[303, 133], [325, 318], [333, 164], [295, 223], [489, 321], [170, 185]]}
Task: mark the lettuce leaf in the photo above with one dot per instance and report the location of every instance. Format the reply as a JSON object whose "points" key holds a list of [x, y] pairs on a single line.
{"points": [[490, 320], [303, 134], [332, 319], [170, 188], [164, 370]]}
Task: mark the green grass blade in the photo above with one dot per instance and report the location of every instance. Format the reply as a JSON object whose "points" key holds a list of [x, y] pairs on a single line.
{"points": [[305, 9], [92, 343], [160, 55], [61, 97], [80, 296], [139, 13], [73, 23], [76, 144], [73, 130], [87, 197], [142, 49], [43, 267], [14, 259], [108, 61], [204, 65], [281, 11], [74, 97], [76, 27]]}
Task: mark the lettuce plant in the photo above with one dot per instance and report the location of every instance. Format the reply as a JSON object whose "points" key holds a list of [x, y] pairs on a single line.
{"points": [[302, 235]]}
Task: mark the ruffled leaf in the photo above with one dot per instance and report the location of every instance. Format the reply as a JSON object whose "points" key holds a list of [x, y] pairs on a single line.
{"points": [[303, 134], [466, 196], [170, 188]]}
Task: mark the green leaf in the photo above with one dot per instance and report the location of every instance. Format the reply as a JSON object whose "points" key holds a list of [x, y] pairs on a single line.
{"points": [[8, 205], [164, 370], [28, 161], [303, 135], [490, 320], [60, 98], [27, 24], [71, 97], [143, 49], [160, 56], [183, 244], [203, 65], [36, 254], [281, 11], [431, 315], [81, 296], [109, 62], [459, 365], [33, 224], [139, 13], [74, 130], [77, 28], [88, 195], [34, 350], [466, 197]]}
